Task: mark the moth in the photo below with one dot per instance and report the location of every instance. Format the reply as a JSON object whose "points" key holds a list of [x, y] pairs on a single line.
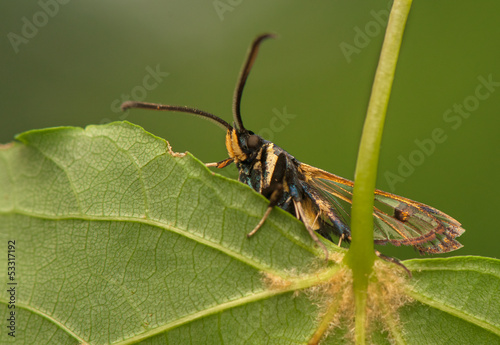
{"points": [[321, 200]]}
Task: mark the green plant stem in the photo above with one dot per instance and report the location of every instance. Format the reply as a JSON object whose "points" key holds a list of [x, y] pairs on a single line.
{"points": [[360, 257]]}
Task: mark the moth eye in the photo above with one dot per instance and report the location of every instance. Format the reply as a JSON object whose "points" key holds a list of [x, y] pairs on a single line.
{"points": [[253, 141]]}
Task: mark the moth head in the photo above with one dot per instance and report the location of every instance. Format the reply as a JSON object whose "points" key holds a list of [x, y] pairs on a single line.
{"points": [[253, 141], [243, 145]]}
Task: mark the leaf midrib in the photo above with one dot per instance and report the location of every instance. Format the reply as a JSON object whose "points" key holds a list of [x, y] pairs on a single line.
{"points": [[453, 269], [453, 311], [296, 284], [254, 297], [160, 225]]}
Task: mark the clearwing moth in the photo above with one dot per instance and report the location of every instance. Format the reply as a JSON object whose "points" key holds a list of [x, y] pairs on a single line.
{"points": [[319, 199]]}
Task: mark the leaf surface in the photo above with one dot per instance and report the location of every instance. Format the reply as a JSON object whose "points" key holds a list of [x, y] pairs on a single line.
{"points": [[120, 241]]}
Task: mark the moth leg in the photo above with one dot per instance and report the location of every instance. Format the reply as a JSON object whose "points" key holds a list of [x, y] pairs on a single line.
{"points": [[222, 164], [301, 215], [316, 219], [273, 201], [340, 240], [394, 261]]}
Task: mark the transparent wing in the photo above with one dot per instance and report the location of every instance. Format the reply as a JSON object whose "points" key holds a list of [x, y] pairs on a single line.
{"points": [[397, 220]]}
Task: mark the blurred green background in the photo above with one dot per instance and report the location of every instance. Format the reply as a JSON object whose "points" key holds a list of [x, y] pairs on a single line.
{"points": [[71, 63]]}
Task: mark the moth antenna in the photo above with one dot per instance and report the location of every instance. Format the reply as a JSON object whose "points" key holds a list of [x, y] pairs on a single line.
{"points": [[252, 54], [182, 109]]}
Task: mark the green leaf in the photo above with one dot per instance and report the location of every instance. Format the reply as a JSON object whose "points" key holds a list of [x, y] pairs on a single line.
{"points": [[458, 291], [118, 240]]}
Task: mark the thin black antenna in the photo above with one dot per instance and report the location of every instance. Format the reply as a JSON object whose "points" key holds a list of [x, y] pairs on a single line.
{"points": [[200, 113], [252, 54]]}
